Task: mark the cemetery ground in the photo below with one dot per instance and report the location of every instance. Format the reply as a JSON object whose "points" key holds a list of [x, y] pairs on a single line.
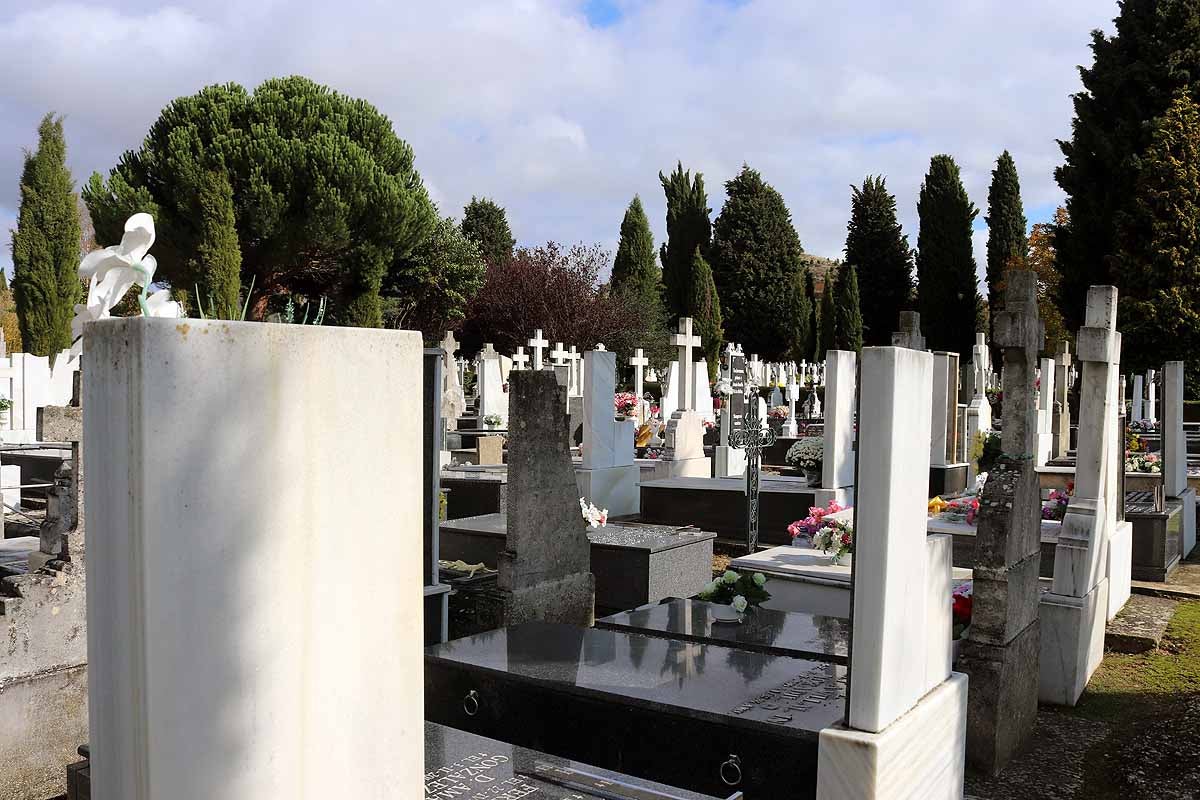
{"points": [[1134, 734]]}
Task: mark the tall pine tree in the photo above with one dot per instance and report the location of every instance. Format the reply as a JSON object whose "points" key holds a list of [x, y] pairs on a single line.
{"points": [[486, 224], [688, 228], [878, 249], [46, 245], [847, 317], [1006, 244], [635, 269], [1132, 81], [757, 265], [946, 281], [705, 309], [1160, 256]]}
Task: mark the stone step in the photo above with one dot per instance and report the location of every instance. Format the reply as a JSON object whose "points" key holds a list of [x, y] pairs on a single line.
{"points": [[1140, 625]]}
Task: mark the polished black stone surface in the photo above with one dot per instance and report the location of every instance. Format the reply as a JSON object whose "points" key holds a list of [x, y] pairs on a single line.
{"points": [[781, 633], [700, 681], [464, 766]]}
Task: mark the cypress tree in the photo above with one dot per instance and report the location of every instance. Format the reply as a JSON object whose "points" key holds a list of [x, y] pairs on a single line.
{"points": [[946, 287], [218, 259], [1132, 81], [688, 228], [812, 333], [3, 281], [1160, 256], [46, 245], [705, 309], [878, 248], [635, 269], [758, 268], [828, 316], [847, 317], [1006, 245], [486, 224]]}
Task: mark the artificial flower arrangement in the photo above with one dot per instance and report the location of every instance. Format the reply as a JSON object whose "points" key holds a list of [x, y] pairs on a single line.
{"points": [[739, 591], [964, 509], [807, 453], [962, 602], [778, 412], [709, 424], [1056, 508], [815, 519], [1141, 461], [492, 420], [1144, 426], [625, 404], [113, 271], [722, 388], [833, 537], [594, 517]]}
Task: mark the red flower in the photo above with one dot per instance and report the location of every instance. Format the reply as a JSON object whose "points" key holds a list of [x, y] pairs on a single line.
{"points": [[962, 609]]}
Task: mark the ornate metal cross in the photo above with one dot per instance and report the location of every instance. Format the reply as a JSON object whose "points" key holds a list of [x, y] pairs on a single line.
{"points": [[753, 438]]}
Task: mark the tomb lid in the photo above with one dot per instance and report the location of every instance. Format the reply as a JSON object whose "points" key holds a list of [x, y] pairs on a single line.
{"points": [[737, 688], [763, 630], [470, 767]]}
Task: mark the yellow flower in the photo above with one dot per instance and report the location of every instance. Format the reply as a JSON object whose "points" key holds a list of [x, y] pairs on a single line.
{"points": [[937, 505]]}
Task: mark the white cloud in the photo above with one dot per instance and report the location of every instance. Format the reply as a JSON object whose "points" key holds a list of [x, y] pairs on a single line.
{"points": [[563, 122]]}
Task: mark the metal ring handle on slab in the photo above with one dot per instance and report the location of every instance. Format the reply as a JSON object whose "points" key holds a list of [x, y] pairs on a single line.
{"points": [[733, 766], [471, 703]]}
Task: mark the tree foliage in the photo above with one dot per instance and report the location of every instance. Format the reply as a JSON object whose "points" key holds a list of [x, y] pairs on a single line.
{"points": [[946, 281], [812, 333], [878, 249], [1006, 227], [1043, 260], [218, 257], [688, 228], [705, 309], [557, 290], [635, 268], [1160, 247], [45, 245], [1133, 80], [429, 289], [828, 320], [757, 266], [847, 317], [325, 195], [486, 224]]}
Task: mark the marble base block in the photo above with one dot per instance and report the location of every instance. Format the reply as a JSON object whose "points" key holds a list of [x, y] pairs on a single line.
{"points": [[1120, 567], [1188, 498], [921, 754], [615, 488], [234, 649], [571, 600], [1072, 643], [1001, 678], [10, 481], [681, 468], [730, 462]]}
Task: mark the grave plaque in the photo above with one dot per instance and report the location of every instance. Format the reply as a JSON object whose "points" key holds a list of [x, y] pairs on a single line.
{"points": [[737, 400]]}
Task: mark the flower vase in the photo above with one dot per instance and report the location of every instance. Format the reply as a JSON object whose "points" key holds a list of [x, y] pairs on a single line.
{"points": [[813, 476]]}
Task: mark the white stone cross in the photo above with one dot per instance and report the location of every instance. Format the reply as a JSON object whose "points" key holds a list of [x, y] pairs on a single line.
{"points": [[790, 428], [558, 356], [538, 345], [639, 362], [575, 362], [519, 359], [685, 340], [755, 371]]}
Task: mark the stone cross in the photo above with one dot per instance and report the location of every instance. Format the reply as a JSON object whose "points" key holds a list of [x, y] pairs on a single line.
{"points": [[790, 428], [979, 363], [909, 334], [1073, 613], [538, 344], [558, 356], [1001, 653], [754, 371], [575, 358], [454, 401], [639, 362], [1061, 427], [754, 437], [685, 341], [519, 359]]}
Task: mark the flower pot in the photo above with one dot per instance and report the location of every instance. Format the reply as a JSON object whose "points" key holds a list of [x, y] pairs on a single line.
{"points": [[813, 476]]}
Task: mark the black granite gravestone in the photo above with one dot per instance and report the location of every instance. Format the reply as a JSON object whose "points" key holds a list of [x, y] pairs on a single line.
{"points": [[703, 717]]}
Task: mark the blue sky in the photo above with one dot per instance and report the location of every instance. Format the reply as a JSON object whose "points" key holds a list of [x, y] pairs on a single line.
{"points": [[562, 110]]}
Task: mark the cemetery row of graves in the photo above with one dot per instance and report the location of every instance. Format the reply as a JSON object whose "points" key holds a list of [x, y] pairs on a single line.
{"points": [[856, 578]]}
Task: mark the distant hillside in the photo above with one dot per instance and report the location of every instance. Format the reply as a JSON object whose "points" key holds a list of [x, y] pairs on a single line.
{"points": [[818, 266]]}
